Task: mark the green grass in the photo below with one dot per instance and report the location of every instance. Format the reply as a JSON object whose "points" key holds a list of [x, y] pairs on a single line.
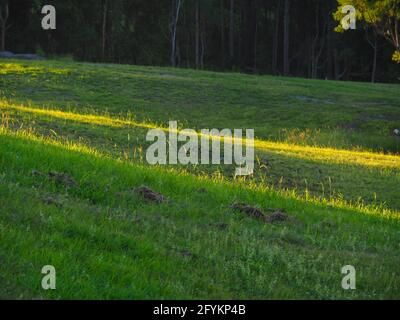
{"points": [[325, 156]]}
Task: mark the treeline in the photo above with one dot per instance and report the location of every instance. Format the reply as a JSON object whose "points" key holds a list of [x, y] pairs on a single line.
{"points": [[283, 37]]}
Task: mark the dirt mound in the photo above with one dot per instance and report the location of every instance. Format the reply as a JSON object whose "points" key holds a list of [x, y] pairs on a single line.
{"points": [[202, 190], [186, 254], [58, 177], [37, 173], [276, 215], [150, 195], [62, 178], [219, 225], [49, 200], [222, 225], [249, 210]]}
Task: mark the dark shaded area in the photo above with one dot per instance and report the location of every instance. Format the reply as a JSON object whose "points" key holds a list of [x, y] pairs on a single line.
{"points": [[255, 36]]}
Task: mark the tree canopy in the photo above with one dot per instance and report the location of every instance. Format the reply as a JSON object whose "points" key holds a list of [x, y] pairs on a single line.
{"points": [[288, 37], [381, 15]]}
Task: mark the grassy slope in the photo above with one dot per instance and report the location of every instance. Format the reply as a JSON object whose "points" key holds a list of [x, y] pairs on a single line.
{"points": [[349, 116], [107, 243]]}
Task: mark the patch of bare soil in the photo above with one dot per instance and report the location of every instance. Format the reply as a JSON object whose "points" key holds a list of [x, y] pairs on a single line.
{"points": [[49, 200], [314, 100], [58, 177], [276, 215], [137, 219], [186, 254], [350, 126], [386, 117], [202, 190], [62, 178], [150, 195], [37, 173], [249, 210], [220, 226]]}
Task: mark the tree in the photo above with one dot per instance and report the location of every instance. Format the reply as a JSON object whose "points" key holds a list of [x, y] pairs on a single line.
{"points": [[382, 15], [374, 45], [275, 44], [104, 29], [276, 36], [232, 31], [176, 7], [4, 15], [316, 54], [249, 21], [286, 32], [222, 26], [197, 40]]}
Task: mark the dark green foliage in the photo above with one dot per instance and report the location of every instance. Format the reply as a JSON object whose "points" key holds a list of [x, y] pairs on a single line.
{"points": [[139, 32]]}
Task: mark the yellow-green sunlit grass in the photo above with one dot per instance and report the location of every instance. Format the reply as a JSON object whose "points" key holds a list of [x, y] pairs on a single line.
{"points": [[108, 243], [332, 155], [17, 68], [72, 157], [91, 119], [69, 145], [246, 185]]}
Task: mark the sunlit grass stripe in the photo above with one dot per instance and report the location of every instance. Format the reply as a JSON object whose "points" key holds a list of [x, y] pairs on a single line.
{"points": [[364, 158], [84, 118], [359, 207]]}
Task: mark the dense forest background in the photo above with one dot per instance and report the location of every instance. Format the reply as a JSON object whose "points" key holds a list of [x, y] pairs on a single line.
{"points": [[283, 37]]}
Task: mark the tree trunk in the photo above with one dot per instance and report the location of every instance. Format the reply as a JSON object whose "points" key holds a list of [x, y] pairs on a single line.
{"points": [[316, 60], [203, 47], [3, 38], [336, 66], [222, 22], [375, 59], [248, 34], [173, 35], [275, 44], [374, 45], [188, 38], [176, 6], [315, 56], [286, 67], [232, 31], [329, 54], [197, 40], [255, 35], [103, 45], [3, 25]]}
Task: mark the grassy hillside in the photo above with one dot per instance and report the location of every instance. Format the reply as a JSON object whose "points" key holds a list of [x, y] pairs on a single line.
{"points": [[72, 151]]}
